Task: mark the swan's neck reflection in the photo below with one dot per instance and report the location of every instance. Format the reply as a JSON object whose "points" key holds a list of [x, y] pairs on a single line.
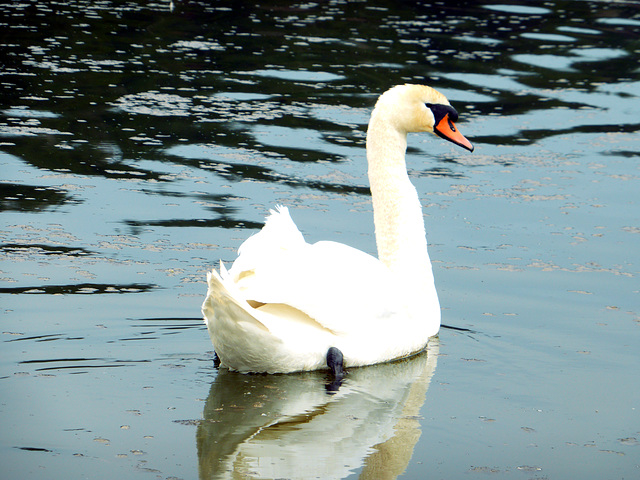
{"points": [[287, 426]]}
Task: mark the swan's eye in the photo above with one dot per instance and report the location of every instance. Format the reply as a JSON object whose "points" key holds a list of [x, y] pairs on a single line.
{"points": [[439, 111]]}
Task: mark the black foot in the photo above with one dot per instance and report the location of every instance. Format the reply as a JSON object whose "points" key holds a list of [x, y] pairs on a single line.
{"points": [[335, 362], [216, 360]]}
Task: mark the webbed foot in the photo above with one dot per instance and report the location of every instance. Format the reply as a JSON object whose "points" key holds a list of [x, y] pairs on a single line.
{"points": [[335, 362]]}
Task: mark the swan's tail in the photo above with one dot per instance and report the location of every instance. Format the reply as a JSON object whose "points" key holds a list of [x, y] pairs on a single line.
{"points": [[224, 303], [241, 341]]}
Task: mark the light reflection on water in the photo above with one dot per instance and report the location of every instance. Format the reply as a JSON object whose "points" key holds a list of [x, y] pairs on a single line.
{"points": [[288, 426], [139, 145]]}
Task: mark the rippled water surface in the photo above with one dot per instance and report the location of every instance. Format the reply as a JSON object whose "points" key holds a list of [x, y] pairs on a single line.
{"points": [[141, 142]]}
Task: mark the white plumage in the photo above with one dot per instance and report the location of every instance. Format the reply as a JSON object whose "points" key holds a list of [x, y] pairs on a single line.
{"points": [[285, 302]]}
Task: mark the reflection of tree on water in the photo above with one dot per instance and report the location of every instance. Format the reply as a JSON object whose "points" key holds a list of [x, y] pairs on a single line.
{"points": [[288, 426]]}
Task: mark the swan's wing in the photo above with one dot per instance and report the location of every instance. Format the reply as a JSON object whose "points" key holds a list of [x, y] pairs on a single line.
{"points": [[343, 289]]}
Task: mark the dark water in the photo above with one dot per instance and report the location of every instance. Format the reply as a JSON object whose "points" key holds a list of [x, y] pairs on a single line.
{"points": [[142, 142]]}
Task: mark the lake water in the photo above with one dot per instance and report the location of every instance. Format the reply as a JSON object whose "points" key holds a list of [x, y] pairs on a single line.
{"points": [[141, 142]]}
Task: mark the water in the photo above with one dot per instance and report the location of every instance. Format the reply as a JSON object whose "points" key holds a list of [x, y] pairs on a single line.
{"points": [[140, 144]]}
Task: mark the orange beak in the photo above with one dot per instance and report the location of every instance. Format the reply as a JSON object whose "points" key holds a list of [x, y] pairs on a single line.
{"points": [[447, 130]]}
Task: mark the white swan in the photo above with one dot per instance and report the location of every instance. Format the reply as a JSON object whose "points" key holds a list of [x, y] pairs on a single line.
{"points": [[287, 305]]}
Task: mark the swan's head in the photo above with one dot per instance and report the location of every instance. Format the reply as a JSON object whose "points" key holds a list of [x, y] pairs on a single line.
{"points": [[419, 108]]}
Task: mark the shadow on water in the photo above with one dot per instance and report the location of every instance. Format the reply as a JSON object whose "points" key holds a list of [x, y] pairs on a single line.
{"points": [[176, 81], [81, 288], [285, 426], [31, 198], [36, 249], [166, 84]]}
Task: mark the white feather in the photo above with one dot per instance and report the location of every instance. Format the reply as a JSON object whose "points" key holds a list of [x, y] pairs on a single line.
{"points": [[285, 302]]}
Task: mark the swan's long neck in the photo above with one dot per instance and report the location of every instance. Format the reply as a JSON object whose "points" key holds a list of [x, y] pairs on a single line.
{"points": [[399, 225]]}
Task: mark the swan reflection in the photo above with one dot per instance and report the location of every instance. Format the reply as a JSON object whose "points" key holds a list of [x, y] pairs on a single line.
{"points": [[289, 426]]}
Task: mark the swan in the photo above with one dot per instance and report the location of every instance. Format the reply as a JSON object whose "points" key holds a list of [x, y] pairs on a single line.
{"points": [[286, 305]]}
